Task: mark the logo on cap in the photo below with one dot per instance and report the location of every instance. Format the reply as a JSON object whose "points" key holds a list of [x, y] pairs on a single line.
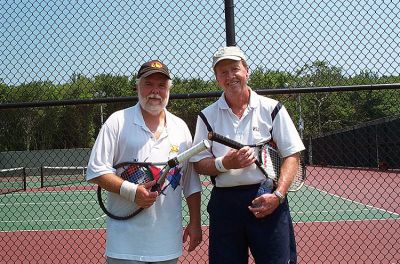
{"points": [[156, 64]]}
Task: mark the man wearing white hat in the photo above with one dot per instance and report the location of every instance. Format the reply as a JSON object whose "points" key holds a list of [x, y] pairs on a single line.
{"points": [[236, 225]]}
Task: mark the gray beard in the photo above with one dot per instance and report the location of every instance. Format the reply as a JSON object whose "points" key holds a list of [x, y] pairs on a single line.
{"points": [[153, 110]]}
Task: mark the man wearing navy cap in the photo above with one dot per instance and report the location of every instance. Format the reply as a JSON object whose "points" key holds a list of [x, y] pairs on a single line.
{"points": [[146, 132]]}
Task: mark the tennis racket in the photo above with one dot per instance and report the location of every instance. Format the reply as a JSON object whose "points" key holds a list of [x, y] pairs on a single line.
{"points": [[269, 160], [142, 172]]}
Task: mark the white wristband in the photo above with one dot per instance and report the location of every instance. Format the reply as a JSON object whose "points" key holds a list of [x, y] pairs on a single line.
{"points": [[128, 190], [218, 164]]}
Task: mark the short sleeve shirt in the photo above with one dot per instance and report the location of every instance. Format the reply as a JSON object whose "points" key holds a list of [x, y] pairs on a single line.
{"points": [[255, 126], [156, 233]]}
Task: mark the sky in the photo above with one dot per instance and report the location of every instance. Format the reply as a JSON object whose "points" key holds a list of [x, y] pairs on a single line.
{"points": [[50, 40]]}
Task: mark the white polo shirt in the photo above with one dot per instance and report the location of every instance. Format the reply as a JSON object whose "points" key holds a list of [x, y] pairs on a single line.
{"points": [[156, 233], [254, 127]]}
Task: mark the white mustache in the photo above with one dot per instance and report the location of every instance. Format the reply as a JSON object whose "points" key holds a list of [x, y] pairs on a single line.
{"points": [[154, 96]]}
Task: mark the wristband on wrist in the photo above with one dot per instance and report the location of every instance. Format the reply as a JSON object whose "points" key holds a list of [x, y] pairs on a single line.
{"points": [[280, 196], [128, 190], [219, 166]]}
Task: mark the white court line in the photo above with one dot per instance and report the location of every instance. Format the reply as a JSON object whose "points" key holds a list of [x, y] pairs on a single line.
{"points": [[352, 201], [48, 203], [337, 211], [344, 221], [52, 230], [51, 221]]}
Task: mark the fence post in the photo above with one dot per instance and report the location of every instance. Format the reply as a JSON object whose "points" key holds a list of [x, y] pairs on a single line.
{"points": [[230, 23]]}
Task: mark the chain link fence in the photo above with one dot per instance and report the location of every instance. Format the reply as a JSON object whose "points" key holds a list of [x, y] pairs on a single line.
{"points": [[66, 66]]}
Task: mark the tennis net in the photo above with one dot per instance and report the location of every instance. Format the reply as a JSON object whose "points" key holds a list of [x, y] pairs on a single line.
{"points": [[12, 180], [55, 176]]}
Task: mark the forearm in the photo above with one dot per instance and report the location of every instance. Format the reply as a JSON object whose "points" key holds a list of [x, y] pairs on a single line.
{"points": [[289, 169], [194, 202], [233, 159], [109, 182], [206, 167]]}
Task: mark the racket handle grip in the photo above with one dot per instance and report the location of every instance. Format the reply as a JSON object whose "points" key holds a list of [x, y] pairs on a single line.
{"points": [[199, 147], [233, 144], [155, 187], [203, 145], [224, 140]]}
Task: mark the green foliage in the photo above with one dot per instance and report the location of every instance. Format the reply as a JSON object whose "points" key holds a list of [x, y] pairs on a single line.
{"points": [[318, 74], [77, 126], [261, 79], [189, 109]]}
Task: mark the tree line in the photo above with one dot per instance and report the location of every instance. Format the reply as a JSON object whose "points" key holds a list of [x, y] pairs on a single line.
{"points": [[77, 126]]}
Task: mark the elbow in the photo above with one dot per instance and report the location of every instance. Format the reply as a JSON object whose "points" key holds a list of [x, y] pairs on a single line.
{"points": [[196, 167], [95, 181]]}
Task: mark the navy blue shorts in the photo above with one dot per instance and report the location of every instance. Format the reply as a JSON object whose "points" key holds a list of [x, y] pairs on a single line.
{"points": [[234, 229]]}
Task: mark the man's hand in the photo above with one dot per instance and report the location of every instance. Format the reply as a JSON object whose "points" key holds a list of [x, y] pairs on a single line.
{"points": [[237, 159], [195, 234], [144, 196], [264, 205]]}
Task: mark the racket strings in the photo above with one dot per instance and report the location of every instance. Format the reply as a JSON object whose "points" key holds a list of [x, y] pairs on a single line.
{"points": [[140, 174], [297, 183], [272, 161], [137, 174], [299, 178]]}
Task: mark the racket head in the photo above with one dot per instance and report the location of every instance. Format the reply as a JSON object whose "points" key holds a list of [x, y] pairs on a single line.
{"points": [[300, 177], [138, 173], [271, 161]]}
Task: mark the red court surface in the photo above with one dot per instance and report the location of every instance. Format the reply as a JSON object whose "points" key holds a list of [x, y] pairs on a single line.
{"points": [[87, 246], [380, 189]]}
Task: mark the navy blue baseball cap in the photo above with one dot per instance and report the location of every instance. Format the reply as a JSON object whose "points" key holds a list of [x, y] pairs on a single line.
{"points": [[153, 66]]}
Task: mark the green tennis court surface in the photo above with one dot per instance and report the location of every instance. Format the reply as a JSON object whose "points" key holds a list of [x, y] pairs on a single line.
{"points": [[314, 205], [66, 209], [51, 210]]}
